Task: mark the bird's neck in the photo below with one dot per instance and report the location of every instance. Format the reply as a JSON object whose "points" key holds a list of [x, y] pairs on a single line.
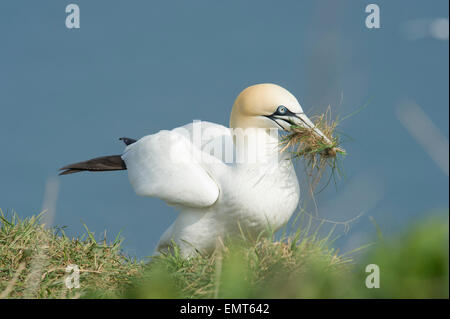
{"points": [[259, 147]]}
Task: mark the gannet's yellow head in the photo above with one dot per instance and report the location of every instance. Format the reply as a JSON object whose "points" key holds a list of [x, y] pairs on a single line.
{"points": [[268, 106]]}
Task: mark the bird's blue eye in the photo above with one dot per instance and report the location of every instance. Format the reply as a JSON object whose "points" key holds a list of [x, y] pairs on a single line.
{"points": [[281, 109]]}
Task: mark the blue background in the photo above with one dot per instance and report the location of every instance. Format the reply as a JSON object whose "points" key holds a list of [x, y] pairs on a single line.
{"points": [[136, 67]]}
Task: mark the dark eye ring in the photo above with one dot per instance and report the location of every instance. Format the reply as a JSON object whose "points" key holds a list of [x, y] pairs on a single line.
{"points": [[281, 109]]}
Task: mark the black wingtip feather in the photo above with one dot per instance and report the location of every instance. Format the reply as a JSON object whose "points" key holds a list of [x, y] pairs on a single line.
{"points": [[70, 171], [99, 164], [127, 140]]}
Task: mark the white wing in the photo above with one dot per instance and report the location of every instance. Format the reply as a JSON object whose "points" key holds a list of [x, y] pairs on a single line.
{"points": [[172, 166]]}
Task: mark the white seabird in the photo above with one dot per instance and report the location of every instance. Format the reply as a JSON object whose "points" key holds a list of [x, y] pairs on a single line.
{"points": [[217, 195]]}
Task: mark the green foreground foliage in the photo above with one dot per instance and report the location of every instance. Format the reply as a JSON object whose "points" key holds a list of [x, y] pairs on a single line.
{"points": [[33, 260]]}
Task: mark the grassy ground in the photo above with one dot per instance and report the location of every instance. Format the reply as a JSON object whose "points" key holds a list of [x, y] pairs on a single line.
{"points": [[33, 262], [303, 265]]}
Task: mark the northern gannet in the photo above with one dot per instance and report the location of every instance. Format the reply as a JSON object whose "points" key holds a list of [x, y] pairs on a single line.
{"points": [[221, 180]]}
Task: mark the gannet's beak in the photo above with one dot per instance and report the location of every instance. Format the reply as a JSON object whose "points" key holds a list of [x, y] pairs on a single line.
{"points": [[289, 119], [300, 119]]}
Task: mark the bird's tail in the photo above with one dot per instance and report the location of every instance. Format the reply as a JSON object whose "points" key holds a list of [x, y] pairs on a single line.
{"points": [[98, 164]]}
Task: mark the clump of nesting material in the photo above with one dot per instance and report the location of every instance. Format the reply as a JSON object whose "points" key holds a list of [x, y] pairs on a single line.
{"points": [[319, 153]]}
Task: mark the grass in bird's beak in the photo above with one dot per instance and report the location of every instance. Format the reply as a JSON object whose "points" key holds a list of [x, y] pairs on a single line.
{"points": [[318, 153]]}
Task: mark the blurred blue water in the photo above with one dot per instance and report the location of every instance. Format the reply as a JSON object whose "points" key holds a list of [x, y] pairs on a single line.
{"points": [[137, 67]]}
